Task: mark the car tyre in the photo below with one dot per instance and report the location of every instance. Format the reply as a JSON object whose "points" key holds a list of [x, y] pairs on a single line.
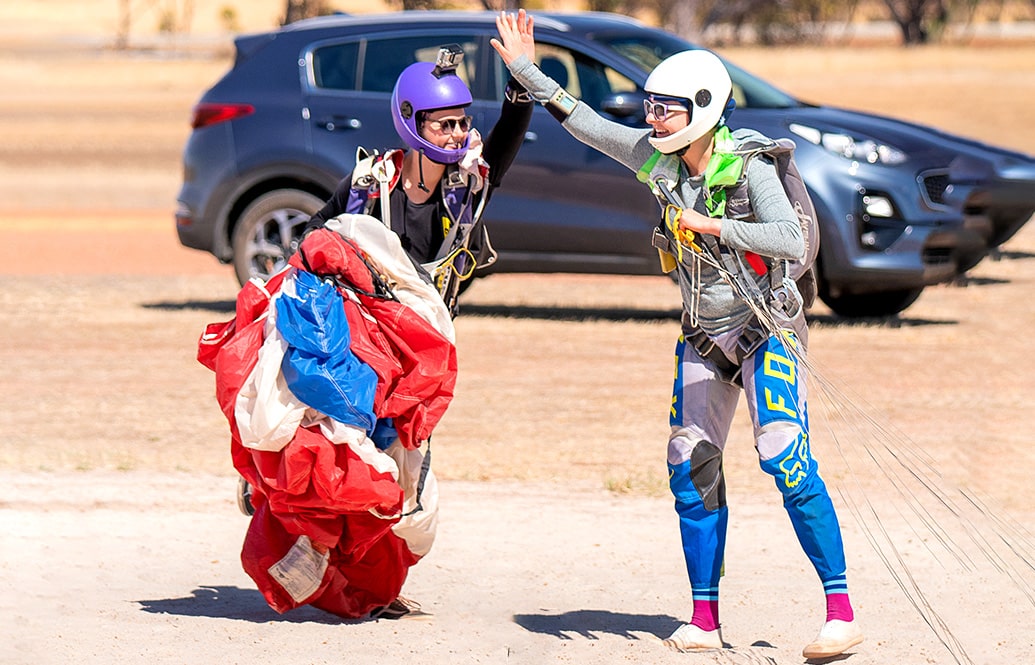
{"points": [[268, 232], [869, 305]]}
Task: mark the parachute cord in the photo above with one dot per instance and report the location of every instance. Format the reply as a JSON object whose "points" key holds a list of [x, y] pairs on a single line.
{"points": [[695, 287]]}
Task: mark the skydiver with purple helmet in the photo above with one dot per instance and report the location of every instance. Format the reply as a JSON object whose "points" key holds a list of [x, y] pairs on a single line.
{"points": [[437, 188], [442, 181]]}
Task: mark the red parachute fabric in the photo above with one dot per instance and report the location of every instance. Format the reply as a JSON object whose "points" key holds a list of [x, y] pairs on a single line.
{"points": [[316, 489]]}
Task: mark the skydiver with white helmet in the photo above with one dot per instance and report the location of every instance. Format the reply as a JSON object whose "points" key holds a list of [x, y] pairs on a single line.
{"points": [[725, 347]]}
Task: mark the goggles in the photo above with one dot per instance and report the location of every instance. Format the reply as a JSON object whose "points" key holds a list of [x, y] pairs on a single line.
{"points": [[450, 125], [662, 110]]}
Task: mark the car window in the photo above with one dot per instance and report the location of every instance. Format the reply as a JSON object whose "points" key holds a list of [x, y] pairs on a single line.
{"points": [[334, 66], [749, 91], [585, 78], [385, 59]]}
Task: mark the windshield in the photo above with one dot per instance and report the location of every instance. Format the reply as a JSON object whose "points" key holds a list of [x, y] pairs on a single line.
{"points": [[646, 51]]}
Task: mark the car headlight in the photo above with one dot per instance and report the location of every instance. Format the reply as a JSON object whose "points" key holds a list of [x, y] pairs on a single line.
{"points": [[850, 147]]}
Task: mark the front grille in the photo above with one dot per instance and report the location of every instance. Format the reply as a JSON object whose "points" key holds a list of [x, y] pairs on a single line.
{"points": [[935, 256], [934, 187]]}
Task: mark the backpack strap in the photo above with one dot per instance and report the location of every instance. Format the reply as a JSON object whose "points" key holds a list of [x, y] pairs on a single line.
{"points": [[374, 178], [789, 280]]}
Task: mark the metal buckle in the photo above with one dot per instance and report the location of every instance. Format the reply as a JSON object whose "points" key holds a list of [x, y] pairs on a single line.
{"points": [[785, 301]]}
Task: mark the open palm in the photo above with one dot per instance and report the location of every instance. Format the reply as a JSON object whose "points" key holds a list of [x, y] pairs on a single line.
{"points": [[516, 36]]}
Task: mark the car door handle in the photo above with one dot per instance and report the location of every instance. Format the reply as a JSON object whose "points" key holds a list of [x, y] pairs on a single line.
{"points": [[531, 137], [339, 123]]}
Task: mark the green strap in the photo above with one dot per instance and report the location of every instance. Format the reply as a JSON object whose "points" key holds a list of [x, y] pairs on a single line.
{"points": [[723, 170], [643, 175]]}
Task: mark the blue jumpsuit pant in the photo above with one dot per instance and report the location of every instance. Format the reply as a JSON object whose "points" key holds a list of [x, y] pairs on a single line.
{"points": [[703, 405]]}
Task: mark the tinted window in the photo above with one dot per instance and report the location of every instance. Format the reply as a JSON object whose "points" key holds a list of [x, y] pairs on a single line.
{"points": [[386, 58], [335, 66], [749, 91], [585, 78]]}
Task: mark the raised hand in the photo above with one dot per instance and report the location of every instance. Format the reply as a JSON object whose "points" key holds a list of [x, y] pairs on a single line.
{"points": [[516, 36]]}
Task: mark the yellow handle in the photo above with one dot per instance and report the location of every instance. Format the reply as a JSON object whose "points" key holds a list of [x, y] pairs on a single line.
{"points": [[683, 236]]}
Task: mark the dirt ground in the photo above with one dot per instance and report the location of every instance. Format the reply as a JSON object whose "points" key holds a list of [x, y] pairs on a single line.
{"points": [[557, 542]]}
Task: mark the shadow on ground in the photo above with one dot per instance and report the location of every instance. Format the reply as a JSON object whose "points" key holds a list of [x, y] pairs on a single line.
{"points": [[221, 306], [587, 623], [569, 313], [894, 321], [229, 602]]}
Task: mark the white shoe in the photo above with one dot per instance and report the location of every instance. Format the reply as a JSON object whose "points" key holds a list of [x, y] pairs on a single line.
{"points": [[835, 637], [689, 637]]}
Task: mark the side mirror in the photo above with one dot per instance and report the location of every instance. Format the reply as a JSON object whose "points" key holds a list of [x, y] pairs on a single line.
{"points": [[624, 105]]}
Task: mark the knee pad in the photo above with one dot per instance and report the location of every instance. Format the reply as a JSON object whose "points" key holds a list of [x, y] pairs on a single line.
{"points": [[705, 470], [776, 438]]}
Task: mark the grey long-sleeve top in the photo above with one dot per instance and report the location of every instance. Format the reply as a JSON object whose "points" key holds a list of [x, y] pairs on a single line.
{"points": [[774, 232]]}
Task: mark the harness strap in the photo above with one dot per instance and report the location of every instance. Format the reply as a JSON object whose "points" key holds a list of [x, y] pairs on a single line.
{"points": [[749, 341]]}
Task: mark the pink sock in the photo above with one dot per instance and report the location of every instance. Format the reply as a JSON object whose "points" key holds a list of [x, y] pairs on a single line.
{"points": [[706, 614], [838, 607]]}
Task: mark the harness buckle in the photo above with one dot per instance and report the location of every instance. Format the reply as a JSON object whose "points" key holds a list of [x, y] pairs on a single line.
{"points": [[785, 300]]}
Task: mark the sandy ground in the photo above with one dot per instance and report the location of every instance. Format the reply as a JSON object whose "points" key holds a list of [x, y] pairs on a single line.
{"points": [[557, 542]]}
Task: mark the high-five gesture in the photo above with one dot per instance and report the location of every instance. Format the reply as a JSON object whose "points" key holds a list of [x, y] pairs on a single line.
{"points": [[516, 35]]}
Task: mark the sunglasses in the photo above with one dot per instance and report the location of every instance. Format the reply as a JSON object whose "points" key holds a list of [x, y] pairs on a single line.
{"points": [[661, 110], [450, 125]]}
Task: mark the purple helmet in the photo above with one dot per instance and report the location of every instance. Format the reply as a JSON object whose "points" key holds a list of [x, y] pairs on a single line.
{"points": [[423, 87]]}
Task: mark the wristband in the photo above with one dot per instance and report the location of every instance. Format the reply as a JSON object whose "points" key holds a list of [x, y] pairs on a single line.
{"points": [[516, 95], [563, 102]]}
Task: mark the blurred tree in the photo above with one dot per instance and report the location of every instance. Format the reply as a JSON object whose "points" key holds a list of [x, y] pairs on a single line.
{"points": [[784, 21], [297, 10], [916, 18], [615, 6], [170, 19], [417, 4], [769, 21], [491, 5], [682, 18]]}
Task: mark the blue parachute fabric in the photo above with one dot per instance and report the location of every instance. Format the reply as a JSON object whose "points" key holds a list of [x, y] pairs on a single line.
{"points": [[319, 367], [384, 434]]}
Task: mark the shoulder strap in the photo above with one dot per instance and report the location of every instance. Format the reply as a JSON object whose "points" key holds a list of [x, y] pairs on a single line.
{"points": [[374, 177]]}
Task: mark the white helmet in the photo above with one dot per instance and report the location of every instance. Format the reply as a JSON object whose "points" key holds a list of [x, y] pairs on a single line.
{"points": [[699, 78]]}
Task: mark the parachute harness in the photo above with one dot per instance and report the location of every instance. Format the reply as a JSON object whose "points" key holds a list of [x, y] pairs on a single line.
{"points": [[455, 261], [725, 170]]}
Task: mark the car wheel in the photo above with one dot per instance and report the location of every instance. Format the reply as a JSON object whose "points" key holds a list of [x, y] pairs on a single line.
{"points": [[268, 232], [864, 305]]}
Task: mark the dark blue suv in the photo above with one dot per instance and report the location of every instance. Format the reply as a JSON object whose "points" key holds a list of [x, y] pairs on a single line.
{"points": [[900, 206]]}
